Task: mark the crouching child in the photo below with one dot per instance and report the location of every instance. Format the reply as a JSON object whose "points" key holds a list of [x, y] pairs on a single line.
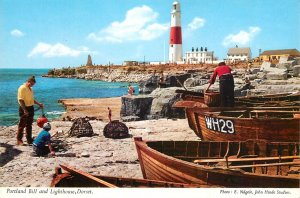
{"points": [[41, 144]]}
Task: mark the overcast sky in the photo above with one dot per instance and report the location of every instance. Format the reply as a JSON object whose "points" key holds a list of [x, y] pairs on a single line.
{"points": [[61, 33]]}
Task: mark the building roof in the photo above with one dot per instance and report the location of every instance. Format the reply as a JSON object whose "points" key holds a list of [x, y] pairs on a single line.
{"points": [[237, 50], [294, 52]]}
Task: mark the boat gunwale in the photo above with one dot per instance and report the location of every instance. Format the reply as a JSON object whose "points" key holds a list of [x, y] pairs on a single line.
{"points": [[214, 115]]}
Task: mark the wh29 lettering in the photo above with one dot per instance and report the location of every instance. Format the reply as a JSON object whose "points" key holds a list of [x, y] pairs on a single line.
{"points": [[220, 125]]}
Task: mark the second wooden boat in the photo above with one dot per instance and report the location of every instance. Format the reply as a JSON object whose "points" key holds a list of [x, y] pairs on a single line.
{"points": [[240, 124], [275, 100], [221, 164]]}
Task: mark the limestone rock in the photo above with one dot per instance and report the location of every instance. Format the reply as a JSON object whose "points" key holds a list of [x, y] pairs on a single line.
{"points": [[152, 83], [162, 104], [176, 80], [255, 70], [266, 66], [276, 76], [192, 82], [136, 106], [251, 76], [85, 154], [149, 85], [297, 61], [286, 65], [296, 71]]}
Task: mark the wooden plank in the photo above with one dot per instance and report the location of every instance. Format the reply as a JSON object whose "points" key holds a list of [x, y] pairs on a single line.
{"points": [[169, 171], [265, 165], [246, 159], [194, 157], [166, 173], [87, 175]]}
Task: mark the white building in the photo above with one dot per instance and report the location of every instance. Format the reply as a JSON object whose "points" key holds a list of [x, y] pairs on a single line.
{"points": [[199, 56], [239, 54]]}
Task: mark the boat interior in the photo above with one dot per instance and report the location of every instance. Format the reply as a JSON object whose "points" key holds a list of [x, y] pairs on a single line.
{"points": [[254, 156], [256, 113]]}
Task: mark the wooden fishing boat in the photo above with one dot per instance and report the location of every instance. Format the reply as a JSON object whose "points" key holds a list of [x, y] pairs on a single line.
{"points": [[240, 124], [77, 178], [225, 164], [283, 99]]}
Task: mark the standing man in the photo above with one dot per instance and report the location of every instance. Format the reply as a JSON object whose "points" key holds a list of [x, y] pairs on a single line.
{"points": [[226, 84], [26, 110]]}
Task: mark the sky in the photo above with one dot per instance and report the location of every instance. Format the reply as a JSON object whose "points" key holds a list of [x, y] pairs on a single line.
{"points": [[61, 33]]}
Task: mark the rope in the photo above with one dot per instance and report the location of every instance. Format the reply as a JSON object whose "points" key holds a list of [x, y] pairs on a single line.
{"points": [[16, 121], [180, 83]]}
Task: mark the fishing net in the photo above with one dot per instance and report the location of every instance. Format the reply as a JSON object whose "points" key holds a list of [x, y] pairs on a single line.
{"points": [[116, 130], [81, 128]]}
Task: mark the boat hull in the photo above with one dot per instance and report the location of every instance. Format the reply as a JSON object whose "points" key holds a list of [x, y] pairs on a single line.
{"points": [[211, 127], [160, 166], [68, 179]]}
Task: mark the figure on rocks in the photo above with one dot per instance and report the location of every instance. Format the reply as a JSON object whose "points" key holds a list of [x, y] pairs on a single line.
{"points": [[162, 83], [109, 113], [130, 90], [226, 84]]}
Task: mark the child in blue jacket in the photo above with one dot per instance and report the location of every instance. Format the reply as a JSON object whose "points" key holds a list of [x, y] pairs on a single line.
{"points": [[41, 144]]}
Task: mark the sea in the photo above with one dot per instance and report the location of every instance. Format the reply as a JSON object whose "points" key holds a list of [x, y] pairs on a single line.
{"points": [[48, 91]]}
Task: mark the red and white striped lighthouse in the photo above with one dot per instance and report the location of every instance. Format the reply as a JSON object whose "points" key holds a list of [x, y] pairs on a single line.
{"points": [[175, 51]]}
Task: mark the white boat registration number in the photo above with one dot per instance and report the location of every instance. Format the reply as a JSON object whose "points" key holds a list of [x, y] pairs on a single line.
{"points": [[220, 125]]}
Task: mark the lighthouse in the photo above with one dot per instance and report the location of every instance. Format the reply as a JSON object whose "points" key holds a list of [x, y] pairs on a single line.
{"points": [[175, 50]]}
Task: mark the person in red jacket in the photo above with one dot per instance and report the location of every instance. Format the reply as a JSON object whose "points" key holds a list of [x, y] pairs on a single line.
{"points": [[226, 84]]}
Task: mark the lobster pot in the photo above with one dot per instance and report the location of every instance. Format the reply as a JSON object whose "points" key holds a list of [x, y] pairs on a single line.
{"points": [[81, 128], [212, 99], [116, 130]]}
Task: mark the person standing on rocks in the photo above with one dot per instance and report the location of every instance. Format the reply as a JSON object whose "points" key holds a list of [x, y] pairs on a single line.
{"points": [[226, 84], [109, 114], [130, 90], [26, 110]]}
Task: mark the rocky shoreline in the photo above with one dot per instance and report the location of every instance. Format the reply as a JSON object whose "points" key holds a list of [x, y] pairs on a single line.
{"points": [[266, 77], [93, 108], [96, 155]]}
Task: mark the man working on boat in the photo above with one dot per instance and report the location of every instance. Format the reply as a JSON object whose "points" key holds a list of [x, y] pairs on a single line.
{"points": [[226, 84]]}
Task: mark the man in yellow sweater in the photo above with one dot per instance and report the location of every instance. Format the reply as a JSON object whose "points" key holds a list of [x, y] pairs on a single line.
{"points": [[26, 110]]}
